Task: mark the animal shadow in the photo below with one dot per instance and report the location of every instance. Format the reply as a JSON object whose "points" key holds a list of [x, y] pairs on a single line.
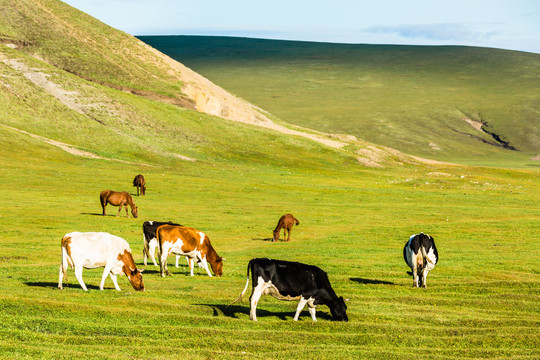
{"points": [[55, 285], [372, 282], [95, 214], [262, 239], [233, 311], [147, 270]]}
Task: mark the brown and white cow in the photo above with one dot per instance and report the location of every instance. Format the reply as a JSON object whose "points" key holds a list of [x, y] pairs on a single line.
{"points": [[182, 240], [98, 249]]}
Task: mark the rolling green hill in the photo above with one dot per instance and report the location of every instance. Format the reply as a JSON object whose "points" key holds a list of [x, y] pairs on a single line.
{"points": [[84, 108], [424, 100]]}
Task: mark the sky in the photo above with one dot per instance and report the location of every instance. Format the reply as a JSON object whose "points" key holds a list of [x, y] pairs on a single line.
{"points": [[509, 24]]}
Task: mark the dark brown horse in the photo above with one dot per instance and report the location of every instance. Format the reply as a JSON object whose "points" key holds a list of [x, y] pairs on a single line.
{"points": [[139, 182], [117, 198], [286, 223]]}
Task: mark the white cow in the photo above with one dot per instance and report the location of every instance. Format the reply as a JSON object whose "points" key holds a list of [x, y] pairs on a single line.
{"points": [[99, 249]]}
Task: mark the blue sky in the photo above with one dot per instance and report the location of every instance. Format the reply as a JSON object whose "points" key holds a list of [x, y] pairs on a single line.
{"points": [[513, 25]]}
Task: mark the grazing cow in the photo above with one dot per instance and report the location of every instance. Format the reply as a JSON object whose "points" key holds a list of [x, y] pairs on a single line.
{"points": [[98, 249], [140, 183], [287, 280], [118, 198], [150, 242], [286, 223], [194, 244], [421, 255]]}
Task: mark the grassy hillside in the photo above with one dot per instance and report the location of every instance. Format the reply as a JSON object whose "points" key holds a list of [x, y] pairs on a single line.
{"points": [[411, 98], [66, 136]]}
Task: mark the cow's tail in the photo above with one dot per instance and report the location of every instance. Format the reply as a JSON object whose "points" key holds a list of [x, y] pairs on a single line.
{"points": [[245, 288], [64, 264], [424, 255]]}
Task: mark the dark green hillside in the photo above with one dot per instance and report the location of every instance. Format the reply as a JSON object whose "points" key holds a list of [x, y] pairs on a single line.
{"points": [[411, 98]]}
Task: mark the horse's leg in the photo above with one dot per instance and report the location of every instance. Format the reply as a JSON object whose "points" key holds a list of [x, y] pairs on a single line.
{"points": [[289, 234], [119, 209], [103, 204], [126, 207]]}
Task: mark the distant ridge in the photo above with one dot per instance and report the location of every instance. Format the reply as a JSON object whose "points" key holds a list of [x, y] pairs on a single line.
{"points": [[418, 99]]}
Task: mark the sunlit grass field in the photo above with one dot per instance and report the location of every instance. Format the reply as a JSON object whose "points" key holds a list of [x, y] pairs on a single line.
{"points": [[481, 300]]}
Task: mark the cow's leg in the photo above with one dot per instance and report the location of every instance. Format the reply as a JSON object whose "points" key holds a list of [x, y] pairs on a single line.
{"points": [[177, 258], [113, 278], [312, 310], [191, 264], [415, 269], [299, 308], [205, 266], [256, 293], [106, 272], [78, 275], [152, 251], [424, 276], [163, 260]]}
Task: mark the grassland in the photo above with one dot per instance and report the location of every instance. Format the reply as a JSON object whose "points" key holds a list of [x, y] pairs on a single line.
{"points": [[482, 300], [412, 98]]}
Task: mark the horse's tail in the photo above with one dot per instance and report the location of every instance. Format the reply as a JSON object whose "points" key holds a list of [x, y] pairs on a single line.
{"points": [[245, 288], [297, 221]]}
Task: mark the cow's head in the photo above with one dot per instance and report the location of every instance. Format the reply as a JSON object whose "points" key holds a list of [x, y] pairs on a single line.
{"points": [[338, 310], [129, 268], [135, 278], [135, 211], [217, 266]]}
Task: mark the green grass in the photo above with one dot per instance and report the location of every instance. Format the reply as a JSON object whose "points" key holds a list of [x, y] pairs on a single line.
{"points": [[482, 299], [412, 98]]}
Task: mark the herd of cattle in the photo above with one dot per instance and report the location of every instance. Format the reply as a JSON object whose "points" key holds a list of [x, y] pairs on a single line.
{"points": [[284, 280]]}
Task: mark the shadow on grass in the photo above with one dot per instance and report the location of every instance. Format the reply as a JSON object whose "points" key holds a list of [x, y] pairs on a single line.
{"points": [[55, 285], [262, 239], [233, 311], [95, 214], [372, 282]]}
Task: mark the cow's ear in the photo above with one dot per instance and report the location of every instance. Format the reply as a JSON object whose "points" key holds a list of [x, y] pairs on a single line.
{"points": [[347, 300], [223, 259], [141, 271]]}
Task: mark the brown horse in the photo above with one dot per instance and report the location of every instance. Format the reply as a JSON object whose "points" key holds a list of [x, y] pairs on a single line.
{"points": [[117, 198], [286, 223], [139, 182]]}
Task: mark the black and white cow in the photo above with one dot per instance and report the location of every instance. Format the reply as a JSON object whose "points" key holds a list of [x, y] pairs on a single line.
{"points": [[421, 255], [150, 242], [287, 280]]}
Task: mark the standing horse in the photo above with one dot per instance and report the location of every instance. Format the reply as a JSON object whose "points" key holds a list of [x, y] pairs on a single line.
{"points": [[286, 223], [117, 198], [139, 182]]}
